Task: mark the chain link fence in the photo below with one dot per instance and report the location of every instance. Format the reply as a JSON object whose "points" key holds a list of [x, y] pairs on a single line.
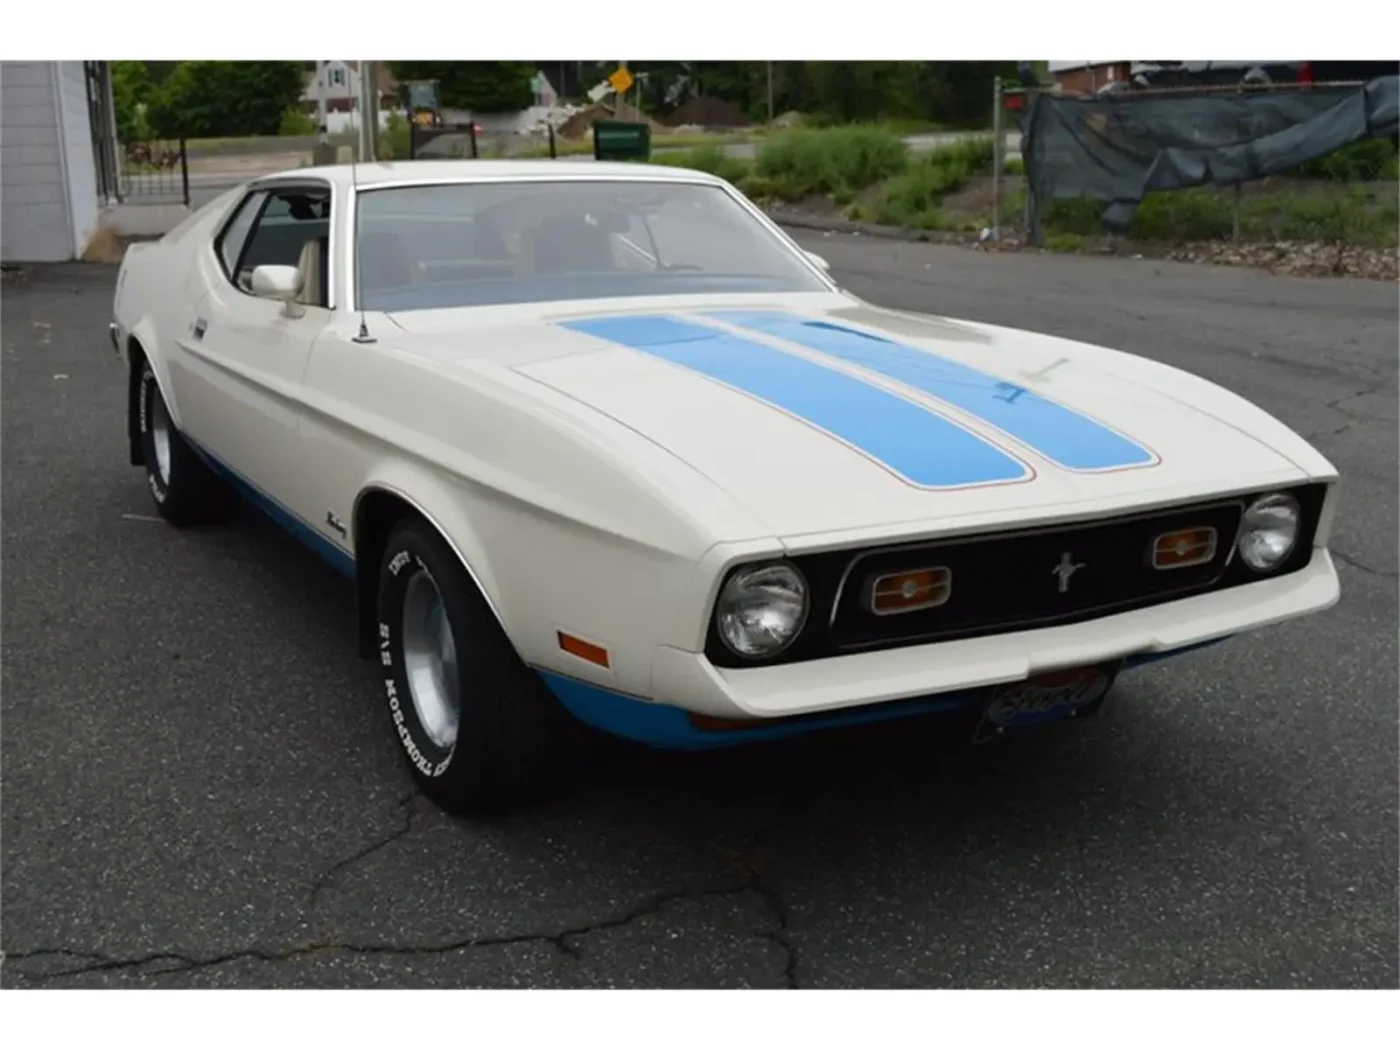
{"points": [[1306, 162]]}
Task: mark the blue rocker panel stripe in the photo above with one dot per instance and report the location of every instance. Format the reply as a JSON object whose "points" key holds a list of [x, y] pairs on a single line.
{"points": [[338, 559], [1060, 434], [669, 728], [913, 441]]}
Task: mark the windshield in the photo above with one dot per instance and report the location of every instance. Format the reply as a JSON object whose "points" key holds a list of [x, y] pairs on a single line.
{"points": [[480, 244]]}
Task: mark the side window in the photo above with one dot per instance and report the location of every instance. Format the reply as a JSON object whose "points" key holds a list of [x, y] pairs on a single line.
{"points": [[292, 230], [235, 235]]}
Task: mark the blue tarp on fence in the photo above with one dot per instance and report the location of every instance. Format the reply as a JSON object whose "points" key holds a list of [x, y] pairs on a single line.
{"points": [[1118, 148]]}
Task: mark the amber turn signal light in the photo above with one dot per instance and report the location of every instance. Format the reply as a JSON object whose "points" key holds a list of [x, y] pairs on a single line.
{"points": [[901, 592], [1183, 548], [594, 654]]}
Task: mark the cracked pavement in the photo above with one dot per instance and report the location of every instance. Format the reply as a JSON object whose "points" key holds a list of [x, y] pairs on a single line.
{"points": [[197, 788]]}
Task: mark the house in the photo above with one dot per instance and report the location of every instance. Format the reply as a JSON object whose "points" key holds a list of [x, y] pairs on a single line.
{"points": [[49, 167], [343, 87], [1086, 78]]}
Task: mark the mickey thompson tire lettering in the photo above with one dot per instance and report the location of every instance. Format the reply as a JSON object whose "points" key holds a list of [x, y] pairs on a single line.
{"points": [[405, 737], [513, 738]]}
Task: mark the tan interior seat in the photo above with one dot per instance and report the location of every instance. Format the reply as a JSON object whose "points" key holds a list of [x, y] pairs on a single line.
{"points": [[313, 265]]}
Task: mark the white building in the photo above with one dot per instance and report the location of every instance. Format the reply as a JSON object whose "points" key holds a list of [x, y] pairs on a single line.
{"points": [[48, 172]]}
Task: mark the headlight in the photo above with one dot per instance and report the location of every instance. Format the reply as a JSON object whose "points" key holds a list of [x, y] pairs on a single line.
{"points": [[761, 609], [1269, 532]]}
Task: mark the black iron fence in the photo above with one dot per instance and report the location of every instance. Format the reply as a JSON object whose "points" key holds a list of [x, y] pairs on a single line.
{"points": [[155, 169]]}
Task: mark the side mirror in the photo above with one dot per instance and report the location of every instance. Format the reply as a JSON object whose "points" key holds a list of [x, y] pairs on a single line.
{"points": [[814, 257], [276, 282]]}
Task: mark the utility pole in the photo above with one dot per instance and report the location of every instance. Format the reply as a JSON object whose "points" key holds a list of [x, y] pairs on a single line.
{"points": [[770, 91], [322, 153], [369, 119]]}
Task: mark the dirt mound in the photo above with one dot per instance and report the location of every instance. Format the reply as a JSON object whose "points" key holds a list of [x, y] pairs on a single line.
{"points": [[581, 123], [710, 112]]}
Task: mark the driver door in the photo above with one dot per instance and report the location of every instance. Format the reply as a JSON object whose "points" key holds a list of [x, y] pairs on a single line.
{"points": [[247, 355]]}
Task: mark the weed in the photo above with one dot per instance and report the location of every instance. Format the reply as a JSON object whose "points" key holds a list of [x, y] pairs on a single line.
{"points": [[807, 161]]}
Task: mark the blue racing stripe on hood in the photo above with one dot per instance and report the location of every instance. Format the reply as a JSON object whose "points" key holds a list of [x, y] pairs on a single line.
{"points": [[921, 446], [1060, 434]]}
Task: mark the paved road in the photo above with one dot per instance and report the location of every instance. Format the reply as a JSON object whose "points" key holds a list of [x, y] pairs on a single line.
{"points": [[199, 789]]}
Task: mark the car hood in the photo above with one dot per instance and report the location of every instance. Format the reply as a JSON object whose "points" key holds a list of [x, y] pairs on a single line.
{"points": [[843, 420]]}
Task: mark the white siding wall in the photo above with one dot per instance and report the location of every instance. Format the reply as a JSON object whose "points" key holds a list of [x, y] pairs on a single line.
{"points": [[79, 165], [48, 193]]}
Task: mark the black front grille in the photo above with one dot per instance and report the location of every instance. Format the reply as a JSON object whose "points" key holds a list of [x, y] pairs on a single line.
{"points": [[1007, 581], [1011, 581]]}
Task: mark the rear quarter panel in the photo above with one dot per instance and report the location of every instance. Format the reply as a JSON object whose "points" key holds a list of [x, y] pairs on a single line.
{"points": [[159, 284]]}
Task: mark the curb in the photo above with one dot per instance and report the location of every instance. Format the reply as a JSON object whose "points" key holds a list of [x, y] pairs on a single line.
{"points": [[802, 221]]}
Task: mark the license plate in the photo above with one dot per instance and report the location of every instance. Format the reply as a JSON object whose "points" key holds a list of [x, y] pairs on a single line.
{"points": [[1045, 698]]}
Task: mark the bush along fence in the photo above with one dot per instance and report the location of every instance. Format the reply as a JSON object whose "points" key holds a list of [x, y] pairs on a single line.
{"points": [[1113, 154]]}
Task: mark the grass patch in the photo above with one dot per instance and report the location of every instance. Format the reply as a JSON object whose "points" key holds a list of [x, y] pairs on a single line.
{"points": [[1203, 214], [841, 160], [1351, 216], [1065, 242], [913, 197], [1325, 211], [1373, 160], [711, 159]]}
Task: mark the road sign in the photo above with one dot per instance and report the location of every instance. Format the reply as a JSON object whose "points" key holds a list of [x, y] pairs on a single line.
{"points": [[621, 81]]}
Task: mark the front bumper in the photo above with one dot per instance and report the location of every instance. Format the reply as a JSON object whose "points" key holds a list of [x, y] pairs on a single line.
{"points": [[690, 681], [943, 674]]}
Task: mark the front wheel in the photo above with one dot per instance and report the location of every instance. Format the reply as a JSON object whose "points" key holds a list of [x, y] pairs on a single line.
{"points": [[479, 728], [185, 489]]}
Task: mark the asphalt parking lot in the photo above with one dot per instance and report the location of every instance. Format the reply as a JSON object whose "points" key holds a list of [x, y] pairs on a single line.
{"points": [[198, 788]]}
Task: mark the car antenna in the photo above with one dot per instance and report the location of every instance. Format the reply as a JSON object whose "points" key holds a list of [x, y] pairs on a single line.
{"points": [[363, 336]]}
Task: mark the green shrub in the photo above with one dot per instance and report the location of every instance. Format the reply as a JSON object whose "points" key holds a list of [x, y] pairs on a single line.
{"points": [[1064, 242], [711, 159], [758, 187], [296, 123], [393, 140], [1366, 161], [912, 199], [1185, 215], [1073, 215], [809, 161], [1346, 217]]}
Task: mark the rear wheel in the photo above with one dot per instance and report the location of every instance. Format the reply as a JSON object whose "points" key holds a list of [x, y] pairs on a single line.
{"points": [[186, 490], [479, 728]]}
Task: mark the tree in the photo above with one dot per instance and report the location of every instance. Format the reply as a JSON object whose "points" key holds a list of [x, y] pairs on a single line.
{"points": [[132, 92], [202, 99], [482, 87]]}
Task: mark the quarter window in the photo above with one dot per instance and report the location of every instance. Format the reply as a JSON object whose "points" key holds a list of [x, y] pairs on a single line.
{"points": [[291, 229], [235, 234]]}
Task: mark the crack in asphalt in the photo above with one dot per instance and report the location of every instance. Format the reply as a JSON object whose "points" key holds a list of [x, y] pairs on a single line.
{"points": [[1330, 433], [1375, 388], [322, 880], [564, 941], [1362, 566], [182, 963]]}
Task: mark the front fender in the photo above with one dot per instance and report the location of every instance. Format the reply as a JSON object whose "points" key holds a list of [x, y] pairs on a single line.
{"points": [[436, 500]]}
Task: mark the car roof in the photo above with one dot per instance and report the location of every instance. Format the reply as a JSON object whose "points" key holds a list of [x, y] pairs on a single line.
{"points": [[382, 173]]}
